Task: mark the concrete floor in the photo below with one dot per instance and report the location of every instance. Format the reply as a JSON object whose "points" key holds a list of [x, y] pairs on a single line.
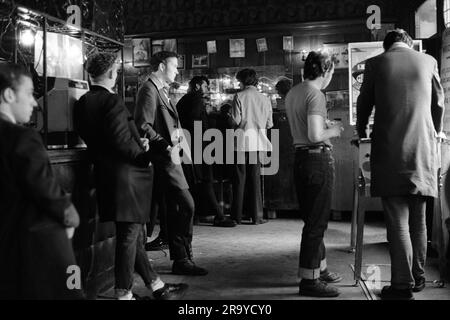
{"points": [[260, 262]]}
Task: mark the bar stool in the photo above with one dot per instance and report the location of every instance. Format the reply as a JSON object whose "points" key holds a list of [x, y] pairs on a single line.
{"points": [[361, 195]]}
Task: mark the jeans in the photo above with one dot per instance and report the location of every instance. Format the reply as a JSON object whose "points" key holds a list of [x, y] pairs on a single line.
{"points": [[131, 255], [314, 178], [407, 236]]}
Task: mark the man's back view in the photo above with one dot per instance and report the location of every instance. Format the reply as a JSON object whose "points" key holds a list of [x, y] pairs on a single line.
{"points": [[404, 86]]}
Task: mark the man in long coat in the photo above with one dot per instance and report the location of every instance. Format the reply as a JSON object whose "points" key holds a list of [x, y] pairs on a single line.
{"points": [[123, 176], [157, 119], [37, 218], [404, 87]]}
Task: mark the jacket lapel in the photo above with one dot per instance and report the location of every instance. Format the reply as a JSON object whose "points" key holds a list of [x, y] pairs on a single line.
{"points": [[166, 101]]}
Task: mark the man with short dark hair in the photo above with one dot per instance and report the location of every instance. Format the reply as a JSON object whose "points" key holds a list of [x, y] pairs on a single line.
{"points": [[37, 218], [405, 86], [157, 118], [123, 175], [191, 108]]}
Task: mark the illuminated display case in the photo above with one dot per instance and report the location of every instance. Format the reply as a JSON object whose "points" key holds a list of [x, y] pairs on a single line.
{"points": [[55, 52]]}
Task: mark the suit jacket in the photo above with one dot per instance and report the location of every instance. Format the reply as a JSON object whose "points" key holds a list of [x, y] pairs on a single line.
{"points": [[34, 213], [191, 108], [157, 119], [121, 165], [252, 112], [404, 86]]}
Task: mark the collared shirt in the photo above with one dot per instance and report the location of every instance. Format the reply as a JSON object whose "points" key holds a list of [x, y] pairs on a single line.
{"points": [[399, 45], [9, 116], [103, 86]]}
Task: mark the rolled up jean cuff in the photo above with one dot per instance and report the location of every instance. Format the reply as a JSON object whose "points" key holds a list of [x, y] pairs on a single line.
{"points": [[311, 274]]}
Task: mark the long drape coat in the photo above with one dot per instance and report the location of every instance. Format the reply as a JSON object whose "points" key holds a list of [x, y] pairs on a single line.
{"points": [[158, 120], [35, 252], [123, 177], [404, 87]]}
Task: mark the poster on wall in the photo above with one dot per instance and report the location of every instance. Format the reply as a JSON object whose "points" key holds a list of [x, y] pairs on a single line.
{"points": [[237, 48], [200, 61], [211, 46], [288, 43], [445, 76], [141, 52], [358, 53], [261, 45], [338, 53], [164, 45]]}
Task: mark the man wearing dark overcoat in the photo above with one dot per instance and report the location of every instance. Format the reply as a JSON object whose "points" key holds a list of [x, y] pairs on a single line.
{"points": [[123, 175], [157, 118], [404, 87], [37, 218]]}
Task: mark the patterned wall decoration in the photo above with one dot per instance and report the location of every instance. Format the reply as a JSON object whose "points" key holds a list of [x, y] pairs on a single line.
{"points": [[143, 16]]}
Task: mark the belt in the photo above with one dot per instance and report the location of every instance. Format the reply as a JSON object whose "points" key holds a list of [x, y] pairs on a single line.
{"points": [[313, 149]]}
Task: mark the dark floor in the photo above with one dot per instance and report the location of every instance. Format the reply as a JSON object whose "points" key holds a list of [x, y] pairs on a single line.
{"points": [[259, 262]]}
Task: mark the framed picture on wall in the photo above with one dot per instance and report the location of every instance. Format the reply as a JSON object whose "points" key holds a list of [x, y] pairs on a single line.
{"points": [[261, 45], [141, 52], [164, 45], [237, 48], [211, 46], [288, 43], [181, 62], [200, 61]]}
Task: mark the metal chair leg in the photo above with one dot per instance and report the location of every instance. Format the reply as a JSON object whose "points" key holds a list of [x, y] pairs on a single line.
{"points": [[359, 241], [354, 216]]}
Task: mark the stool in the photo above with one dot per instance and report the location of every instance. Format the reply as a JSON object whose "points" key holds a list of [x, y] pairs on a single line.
{"points": [[361, 193]]}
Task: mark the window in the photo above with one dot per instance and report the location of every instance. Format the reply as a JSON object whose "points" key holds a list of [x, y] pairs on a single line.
{"points": [[426, 19]]}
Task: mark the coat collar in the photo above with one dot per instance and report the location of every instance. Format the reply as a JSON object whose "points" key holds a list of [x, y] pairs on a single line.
{"points": [[158, 83], [97, 87], [164, 98], [399, 45]]}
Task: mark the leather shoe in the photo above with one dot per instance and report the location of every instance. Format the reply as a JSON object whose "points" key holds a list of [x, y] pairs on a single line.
{"points": [[224, 222], [171, 291], [318, 289], [188, 268], [330, 277], [389, 293], [420, 285], [259, 221], [156, 245]]}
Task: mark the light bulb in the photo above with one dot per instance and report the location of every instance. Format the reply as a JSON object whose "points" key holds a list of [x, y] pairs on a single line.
{"points": [[27, 38]]}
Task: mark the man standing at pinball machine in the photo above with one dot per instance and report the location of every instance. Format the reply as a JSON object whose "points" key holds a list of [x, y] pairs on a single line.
{"points": [[405, 87]]}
